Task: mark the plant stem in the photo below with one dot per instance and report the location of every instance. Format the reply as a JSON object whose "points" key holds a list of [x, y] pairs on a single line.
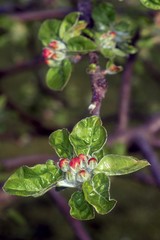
{"points": [[98, 84]]}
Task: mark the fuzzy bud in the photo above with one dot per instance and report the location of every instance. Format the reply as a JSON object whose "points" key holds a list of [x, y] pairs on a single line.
{"points": [[82, 175], [70, 177], [57, 45], [64, 164], [47, 53], [75, 163], [92, 163]]}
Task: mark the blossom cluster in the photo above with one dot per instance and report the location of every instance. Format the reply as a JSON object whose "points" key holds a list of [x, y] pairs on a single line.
{"points": [[77, 169], [55, 51]]}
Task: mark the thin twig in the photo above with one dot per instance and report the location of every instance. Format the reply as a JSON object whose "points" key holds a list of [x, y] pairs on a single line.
{"points": [[76, 225], [22, 66]]}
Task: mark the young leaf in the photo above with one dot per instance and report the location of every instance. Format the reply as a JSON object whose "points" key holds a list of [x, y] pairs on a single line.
{"points": [[49, 31], [119, 165], [71, 26], [59, 140], [81, 44], [96, 192], [58, 77], [80, 208], [88, 136], [153, 4], [103, 15], [33, 181]]}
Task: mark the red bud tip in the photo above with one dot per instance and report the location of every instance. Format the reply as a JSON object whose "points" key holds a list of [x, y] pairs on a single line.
{"points": [[82, 157], [92, 160], [63, 162], [75, 162], [113, 34], [46, 53], [54, 44], [82, 172]]}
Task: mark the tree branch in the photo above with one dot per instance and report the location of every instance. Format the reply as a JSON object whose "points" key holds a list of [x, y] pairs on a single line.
{"points": [[98, 84]]}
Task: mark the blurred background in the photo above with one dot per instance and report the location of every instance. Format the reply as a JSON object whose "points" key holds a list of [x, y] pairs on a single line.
{"points": [[29, 112]]}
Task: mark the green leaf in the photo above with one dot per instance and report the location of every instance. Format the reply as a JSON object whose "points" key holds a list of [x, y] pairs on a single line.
{"points": [[103, 15], [88, 136], [153, 4], [119, 165], [49, 31], [99, 155], [96, 192], [33, 181], [80, 208], [119, 52], [58, 77], [81, 44], [59, 140], [122, 26], [71, 26], [107, 53]]}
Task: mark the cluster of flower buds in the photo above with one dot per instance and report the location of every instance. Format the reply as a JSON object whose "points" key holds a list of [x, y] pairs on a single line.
{"points": [[55, 51], [77, 169], [107, 40]]}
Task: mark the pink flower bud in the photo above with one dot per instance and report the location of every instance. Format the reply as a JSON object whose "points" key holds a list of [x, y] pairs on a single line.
{"points": [[47, 53], [75, 163], [112, 34], [57, 45], [82, 175], [54, 44], [82, 157], [92, 163], [64, 164]]}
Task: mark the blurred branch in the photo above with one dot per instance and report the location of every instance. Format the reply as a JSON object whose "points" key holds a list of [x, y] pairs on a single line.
{"points": [[38, 127], [20, 67], [13, 163], [150, 155], [41, 14], [146, 130], [125, 90], [76, 225]]}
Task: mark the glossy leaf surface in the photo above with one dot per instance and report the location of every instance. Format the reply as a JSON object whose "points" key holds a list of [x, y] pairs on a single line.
{"points": [[59, 140], [153, 4], [33, 181], [71, 26], [49, 31], [119, 165], [57, 77], [88, 136], [80, 208], [96, 191], [81, 44]]}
